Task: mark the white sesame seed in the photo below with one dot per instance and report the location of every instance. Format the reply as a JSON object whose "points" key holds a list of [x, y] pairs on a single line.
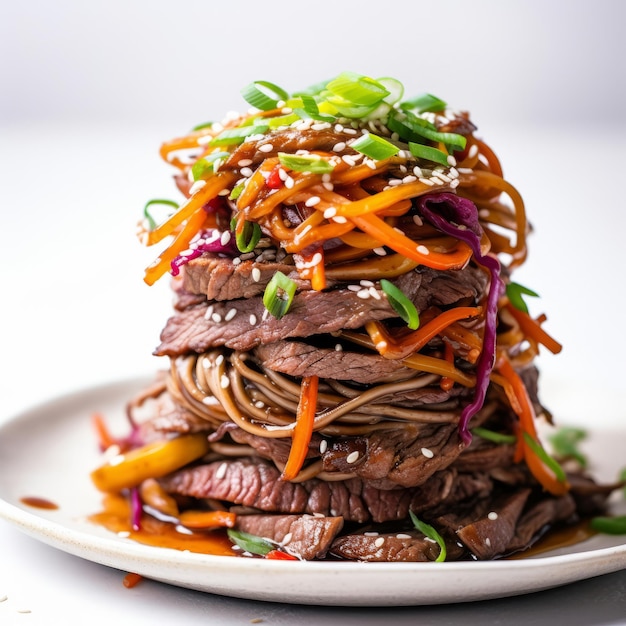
{"points": [[321, 126], [409, 179], [380, 251], [451, 160], [353, 457], [455, 183], [379, 542], [225, 237], [252, 319], [350, 131], [265, 315], [246, 171], [266, 147], [488, 542], [256, 274], [312, 201], [422, 249], [428, 453], [323, 446], [417, 171], [289, 182], [418, 220], [340, 219], [371, 164], [287, 538], [371, 533], [224, 381], [219, 360], [236, 261], [403, 536], [328, 186], [374, 293], [399, 231], [493, 516], [354, 287], [453, 172], [346, 158], [206, 363], [330, 212], [244, 162], [465, 170], [197, 186], [221, 471], [426, 181], [338, 347], [122, 533], [394, 182], [364, 294], [259, 404], [216, 317], [229, 316], [339, 146], [473, 151], [366, 283], [209, 312]]}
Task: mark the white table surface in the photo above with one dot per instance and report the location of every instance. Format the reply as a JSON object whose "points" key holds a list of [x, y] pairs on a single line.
{"points": [[75, 313]]}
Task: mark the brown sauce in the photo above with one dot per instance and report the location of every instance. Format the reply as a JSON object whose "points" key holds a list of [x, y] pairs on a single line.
{"points": [[39, 503], [116, 517], [558, 538]]}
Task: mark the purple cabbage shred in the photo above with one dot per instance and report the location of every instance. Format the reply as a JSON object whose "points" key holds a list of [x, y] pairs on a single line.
{"points": [[205, 241]]}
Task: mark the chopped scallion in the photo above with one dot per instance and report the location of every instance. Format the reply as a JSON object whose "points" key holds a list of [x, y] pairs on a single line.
{"points": [[492, 435], [234, 136], [310, 109], [374, 147], [423, 103], [264, 95], [429, 154], [204, 166], [401, 304], [152, 223], [609, 525], [305, 163], [249, 237], [514, 293], [428, 531], [357, 89], [279, 294]]}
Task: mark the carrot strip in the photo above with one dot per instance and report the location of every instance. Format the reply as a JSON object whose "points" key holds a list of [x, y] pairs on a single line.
{"points": [[446, 383], [105, 439], [161, 265], [207, 519], [255, 183], [533, 330], [379, 229], [318, 277], [213, 186], [303, 430]]}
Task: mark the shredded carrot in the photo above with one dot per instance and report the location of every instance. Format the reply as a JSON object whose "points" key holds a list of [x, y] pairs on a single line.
{"points": [[318, 273], [446, 383], [303, 430], [255, 183], [131, 580], [207, 519], [415, 341], [162, 264], [379, 229], [533, 330], [105, 439]]}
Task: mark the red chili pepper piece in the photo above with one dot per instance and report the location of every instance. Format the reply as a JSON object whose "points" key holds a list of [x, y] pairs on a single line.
{"points": [[274, 181], [279, 555]]}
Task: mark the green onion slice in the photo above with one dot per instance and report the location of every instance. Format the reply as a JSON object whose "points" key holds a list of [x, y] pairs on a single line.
{"points": [[204, 166], [394, 87], [152, 223], [547, 460], [236, 191], [250, 543], [375, 147], [249, 237], [357, 89], [514, 293], [264, 95], [310, 108], [202, 126], [428, 531], [283, 120], [610, 525], [401, 304], [279, 294], [492, 435], [565, 444], [234, 136], [423, 103], [427, 153], [305, 163]]}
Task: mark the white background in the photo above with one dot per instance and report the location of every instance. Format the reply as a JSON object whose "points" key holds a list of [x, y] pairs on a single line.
{"points": [[88, 91]]}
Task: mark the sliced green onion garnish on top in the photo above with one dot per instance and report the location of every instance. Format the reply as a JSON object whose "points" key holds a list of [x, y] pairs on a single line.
{"points": [[264, 95], [423, 103], [394, 87], [234, 136], [374, 147], [249, 237], [250, 543], [565, 444], [401, 304], [203, 125], [305, 163], [279, 294], [428, 531], [547, 460], [310, 108], [514, 293], [428, 153], [283, 120], [492, 435], [204, 166], [357, 89], [152, 223]]}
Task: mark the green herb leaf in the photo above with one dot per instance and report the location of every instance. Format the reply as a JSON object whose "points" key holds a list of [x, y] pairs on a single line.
{"points": [[279, 294], [264, 95], [565, 444], [250, 543], [374, 147], [401, 304], [609, 525], [305, 163], [514, 293], [428, 531], [152, 223], [492, 435]]}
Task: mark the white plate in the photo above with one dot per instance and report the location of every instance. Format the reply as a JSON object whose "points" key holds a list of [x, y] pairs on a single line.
{"points": [[49, 451]]}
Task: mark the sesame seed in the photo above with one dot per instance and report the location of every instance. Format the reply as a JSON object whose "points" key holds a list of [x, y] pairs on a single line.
{"points": [[379, 542], [265, 315], [266, 147], [493, 516], [236, 261], [409, 179], [426, 181], [354, 287], [353, 457], [197, 186], [256, 274], [338, 128], [399, 231], [441, 175], [371, 533], [122, 533], [224, 381], [246, 171], [380, 251], [321, 126], [289, 182], [252, 319], [453, 172], [287, 538], [338, 347], [331, 212], [417, 171], [312, 201], [473, 151], [366, 283], [403, 536], [216, 317], [219, 360], [349, 131], [488, 542], [328, 186], [209, 312], [339, 146], [374, 293], [229, 316], [455, 183], [364, 294], [244, 162], [418, 220], [428, 453], [394, 182], [340, 219], [422, 249], [371, 164], [221, 471], [206, 363], [346, 158], [451, 160], [225, 238], [259, 404], [323, 446]]}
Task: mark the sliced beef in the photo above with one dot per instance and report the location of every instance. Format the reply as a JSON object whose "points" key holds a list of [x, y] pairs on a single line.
{"points": [[257, 484], [239, 324], [306, 536], [299, 359]]}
